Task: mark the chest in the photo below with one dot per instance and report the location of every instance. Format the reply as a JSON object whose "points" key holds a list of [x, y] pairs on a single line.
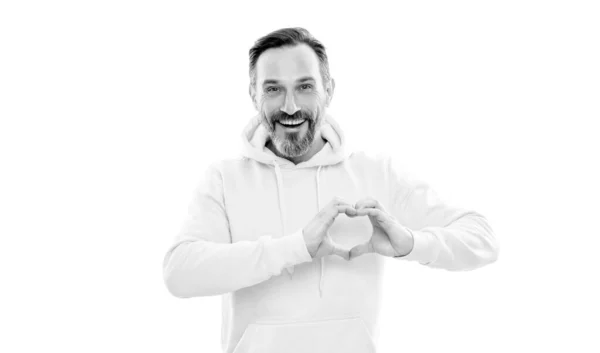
{"points": [[259, 204]]}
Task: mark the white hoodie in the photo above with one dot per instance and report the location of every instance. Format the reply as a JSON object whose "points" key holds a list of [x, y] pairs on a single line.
{"points": [[245, 227]]}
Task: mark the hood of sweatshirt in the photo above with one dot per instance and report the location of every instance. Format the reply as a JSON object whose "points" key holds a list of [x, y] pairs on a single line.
{"points": [[254, 139]]}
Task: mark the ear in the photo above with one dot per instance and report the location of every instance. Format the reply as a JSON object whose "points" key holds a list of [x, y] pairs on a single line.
{"points": [[252, 93], [329, 89]]}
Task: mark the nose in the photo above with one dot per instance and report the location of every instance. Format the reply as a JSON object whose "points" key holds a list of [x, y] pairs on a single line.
{"points": [[289, 106]]}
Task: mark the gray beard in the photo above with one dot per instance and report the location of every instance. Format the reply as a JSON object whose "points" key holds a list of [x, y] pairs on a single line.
{"points": [[292, 146]]}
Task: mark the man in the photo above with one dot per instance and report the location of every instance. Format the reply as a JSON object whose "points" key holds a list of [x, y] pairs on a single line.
{"points": [[299, 200]]}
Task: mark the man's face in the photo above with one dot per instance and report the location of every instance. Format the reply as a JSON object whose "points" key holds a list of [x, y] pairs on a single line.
{"points": [[290, 97]]}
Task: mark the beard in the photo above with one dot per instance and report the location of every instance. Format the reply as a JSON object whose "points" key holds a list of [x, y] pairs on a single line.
{"points": [[293, 144]]}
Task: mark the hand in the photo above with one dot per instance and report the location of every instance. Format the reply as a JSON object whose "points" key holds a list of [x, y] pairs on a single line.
{"points": [[317, 240], [389, 237]]}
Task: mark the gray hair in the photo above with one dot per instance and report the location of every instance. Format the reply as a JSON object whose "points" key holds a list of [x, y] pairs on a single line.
{"points": [[288, 37]]}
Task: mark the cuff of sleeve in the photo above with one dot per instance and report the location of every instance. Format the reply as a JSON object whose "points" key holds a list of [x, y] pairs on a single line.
{"points": [[425, 248], [297, 243], [291, 250]]}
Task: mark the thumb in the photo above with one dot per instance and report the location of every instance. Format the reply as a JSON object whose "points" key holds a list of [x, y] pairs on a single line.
{"points": [[361, 249], [335, 249]]}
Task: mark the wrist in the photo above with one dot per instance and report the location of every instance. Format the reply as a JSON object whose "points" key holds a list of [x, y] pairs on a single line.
{"points": [[407, 243], [309, 248]]}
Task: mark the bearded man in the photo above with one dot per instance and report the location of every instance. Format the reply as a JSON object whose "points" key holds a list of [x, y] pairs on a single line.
{"points": [[299, 200]]}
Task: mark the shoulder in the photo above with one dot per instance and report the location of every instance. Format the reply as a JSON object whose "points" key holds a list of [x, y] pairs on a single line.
{"points": [[386, 164], [369, 157], [227, 165], [235, 168], [380, 160]]}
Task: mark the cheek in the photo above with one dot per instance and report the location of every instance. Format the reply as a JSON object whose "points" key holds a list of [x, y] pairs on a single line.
{"points": [[269, 105], [316, 104], [267, 110], [317, 100], [317, 95], [310, 101]]}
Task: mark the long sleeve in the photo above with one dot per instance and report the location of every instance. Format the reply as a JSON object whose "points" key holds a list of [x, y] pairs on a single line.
{"points": [[203, 261], [445, 237]]}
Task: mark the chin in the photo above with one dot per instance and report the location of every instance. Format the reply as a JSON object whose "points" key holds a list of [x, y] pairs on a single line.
{"points": [[289, 151]]}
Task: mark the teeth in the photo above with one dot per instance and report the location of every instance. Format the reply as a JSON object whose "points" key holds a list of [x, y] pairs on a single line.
{"points": [[292, 122]]}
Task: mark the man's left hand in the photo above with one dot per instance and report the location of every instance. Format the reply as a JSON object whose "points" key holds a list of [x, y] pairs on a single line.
{"points": [[389, 238]]}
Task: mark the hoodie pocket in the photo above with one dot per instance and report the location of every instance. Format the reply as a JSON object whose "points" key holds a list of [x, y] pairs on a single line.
{"points": [[348, 335]]}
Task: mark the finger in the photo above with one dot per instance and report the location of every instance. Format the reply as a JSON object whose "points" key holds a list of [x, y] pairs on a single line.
{"points": [[336, 249], [366, 202], [345, 254], [378, 214], [381, 218], [334, 211], [349, 210], [361, 249], [338, 201], [369, 202]]}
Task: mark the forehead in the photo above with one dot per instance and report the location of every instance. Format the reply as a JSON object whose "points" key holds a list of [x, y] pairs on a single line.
{"points": [[287, 63]]}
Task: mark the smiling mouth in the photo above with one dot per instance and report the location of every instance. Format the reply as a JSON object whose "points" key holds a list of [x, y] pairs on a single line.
{"points": [[288, 126]]}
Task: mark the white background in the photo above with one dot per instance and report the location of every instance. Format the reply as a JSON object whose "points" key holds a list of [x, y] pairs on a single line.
{"points": [[111, 110]]}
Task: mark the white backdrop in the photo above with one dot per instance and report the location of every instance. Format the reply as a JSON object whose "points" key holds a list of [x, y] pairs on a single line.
{"points": [[111, 110]]}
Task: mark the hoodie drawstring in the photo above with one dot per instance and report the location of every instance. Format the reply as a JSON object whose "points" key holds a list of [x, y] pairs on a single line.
{"points": [[321, 280], [281, 205], [282, 211]]}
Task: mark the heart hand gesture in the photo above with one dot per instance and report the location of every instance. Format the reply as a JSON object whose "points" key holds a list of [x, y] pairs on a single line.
{"points": [[318, 242], [389, 237]]}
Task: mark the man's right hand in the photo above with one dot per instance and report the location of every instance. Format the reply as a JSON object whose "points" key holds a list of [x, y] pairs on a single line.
{"points": [[317, 240]]}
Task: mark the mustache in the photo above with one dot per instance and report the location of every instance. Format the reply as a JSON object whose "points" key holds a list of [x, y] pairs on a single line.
{"points": [[301, 114]]}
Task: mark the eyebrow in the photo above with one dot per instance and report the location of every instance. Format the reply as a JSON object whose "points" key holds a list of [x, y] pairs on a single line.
{"points": [[301, 79]]}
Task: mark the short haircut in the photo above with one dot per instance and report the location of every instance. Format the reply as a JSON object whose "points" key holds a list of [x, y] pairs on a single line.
{"points": [[288, 37]]}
